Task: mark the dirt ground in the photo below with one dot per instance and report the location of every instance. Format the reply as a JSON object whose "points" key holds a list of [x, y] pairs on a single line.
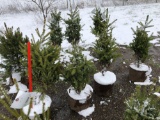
{"points": [[114, 109], [122, 89]]}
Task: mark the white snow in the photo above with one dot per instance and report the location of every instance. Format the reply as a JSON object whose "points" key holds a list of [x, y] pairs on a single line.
{"points": [[38, 108], [108, 78], [159, 79], [21, 87], [16, 76], [103, 103], [146, 68], [146, 82], [142, 67], [85, 93], [87, 55], [2, 96], [87, 112], [127, 17], [157, 45], [157, 94], [65, 57], [7, 81]]}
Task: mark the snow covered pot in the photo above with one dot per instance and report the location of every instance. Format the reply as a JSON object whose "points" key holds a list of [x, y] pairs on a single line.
{"points": [[105, 50], [138, 71], [78, 73], [103, 83]]}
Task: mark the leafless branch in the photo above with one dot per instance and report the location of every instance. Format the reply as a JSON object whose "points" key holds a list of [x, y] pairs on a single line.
{"points": [[44, 6]]}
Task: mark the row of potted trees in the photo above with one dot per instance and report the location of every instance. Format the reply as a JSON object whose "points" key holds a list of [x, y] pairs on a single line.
{"points": [[79, 70]]}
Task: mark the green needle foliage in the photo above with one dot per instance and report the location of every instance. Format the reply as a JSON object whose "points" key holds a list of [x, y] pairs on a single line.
{"points": [[143, 104], [141, 42], [56, 31], [73, 27], [97, 22], [105, 47], [79, 70], [10, 49], [46, 67]]}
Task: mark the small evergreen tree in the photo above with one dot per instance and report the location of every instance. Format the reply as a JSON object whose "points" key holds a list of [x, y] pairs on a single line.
{"points": [[105, 47], [10, 49], [98, 25], [143, 104], [79, 70], [73, 27], [140, 44], [56, 31], [46, 67]]}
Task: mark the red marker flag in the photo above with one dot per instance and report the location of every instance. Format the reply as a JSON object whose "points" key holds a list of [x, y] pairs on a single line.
{"points": [[29, 66]]}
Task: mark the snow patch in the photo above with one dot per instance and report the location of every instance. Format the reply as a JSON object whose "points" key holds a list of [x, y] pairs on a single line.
{"points": [[103, 103], [157, 45], [21, 87], [65, 57], [142, 67], [7, 81], [2, 96], [61, 78], [147, 81], [16, 76], [84, 94], [159, 78], [87, 55], [157, 94], [107, 79], [87, 112]]}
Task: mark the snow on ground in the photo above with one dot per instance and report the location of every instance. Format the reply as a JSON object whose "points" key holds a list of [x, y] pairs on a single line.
{"points": [[146, 82], [127, 17], [87, 112], [16, 76], [103, 103], [146, 68], [7, 81], [87, 55], [108, 78], [157, 94]]}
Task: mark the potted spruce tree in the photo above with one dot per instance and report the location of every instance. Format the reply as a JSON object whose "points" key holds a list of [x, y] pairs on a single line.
{"points": [[78, 73], [46, 70], [73, 26], [97, 19], [140, 45], [55, 29], [105, 49], [9, 49], [46, 67]]}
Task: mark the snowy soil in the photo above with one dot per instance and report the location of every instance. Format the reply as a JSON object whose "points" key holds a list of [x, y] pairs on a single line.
{"points": [[110, 108], [114, 107], [127, 17]]}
